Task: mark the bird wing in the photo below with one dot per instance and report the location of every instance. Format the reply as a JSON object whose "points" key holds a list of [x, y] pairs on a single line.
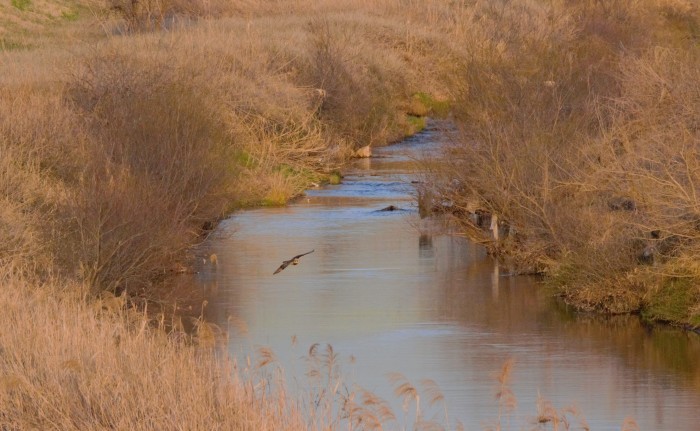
{"points": [[284, 265], [300, 255], [287, 262]]}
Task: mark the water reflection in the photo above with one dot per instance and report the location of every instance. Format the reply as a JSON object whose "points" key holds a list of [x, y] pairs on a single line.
{"points": [[425, 246], [387, 289]]}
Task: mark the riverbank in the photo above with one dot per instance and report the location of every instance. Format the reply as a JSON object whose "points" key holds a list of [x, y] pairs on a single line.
{"points": [[578, 155], [114, 166]]}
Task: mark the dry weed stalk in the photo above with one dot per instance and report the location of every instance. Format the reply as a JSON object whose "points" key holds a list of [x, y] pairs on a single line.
{"points": [[94, 367], [406, 392], [507, 402], [558, 419]]}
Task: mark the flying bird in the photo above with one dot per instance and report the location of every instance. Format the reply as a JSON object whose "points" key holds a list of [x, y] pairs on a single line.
{"points": [[293, 261]]}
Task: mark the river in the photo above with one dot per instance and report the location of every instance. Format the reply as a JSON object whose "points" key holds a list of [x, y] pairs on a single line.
{"points": [[391, 293]]}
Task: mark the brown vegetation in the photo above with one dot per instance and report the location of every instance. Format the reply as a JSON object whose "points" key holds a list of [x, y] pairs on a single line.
{"points": [[118, 153], [68, 364], [144, 15], [118, 163], [143, 122], [579, 133]]}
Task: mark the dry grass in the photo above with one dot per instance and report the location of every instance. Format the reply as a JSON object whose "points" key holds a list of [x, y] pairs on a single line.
{"points": [[69, 364], [74, 364], [147, 138], [114, 165], [579, 133], [116, 173]]}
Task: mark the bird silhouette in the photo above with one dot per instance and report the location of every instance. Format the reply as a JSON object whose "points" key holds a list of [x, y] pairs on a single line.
{"points": [[292, 261]]}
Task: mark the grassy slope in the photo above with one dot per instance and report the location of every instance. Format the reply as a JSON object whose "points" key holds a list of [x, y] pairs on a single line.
{"points": [[128, 146], [579, 132], [26, 24]]}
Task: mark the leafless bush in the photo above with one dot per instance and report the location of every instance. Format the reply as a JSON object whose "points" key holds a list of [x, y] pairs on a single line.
{"points": [[357, 98], [520, 125], [580, 136], [658, 130], [157, 170]]}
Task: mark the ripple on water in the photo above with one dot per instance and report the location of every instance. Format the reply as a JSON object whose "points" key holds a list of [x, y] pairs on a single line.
{"points": [[367, 189]]}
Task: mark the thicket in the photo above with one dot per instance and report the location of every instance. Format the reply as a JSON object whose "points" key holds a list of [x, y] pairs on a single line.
{"points": [[147, 15], [579, 135]]}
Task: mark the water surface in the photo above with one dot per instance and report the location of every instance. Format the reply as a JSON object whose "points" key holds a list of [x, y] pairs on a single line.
{"points": [[387, 289]]}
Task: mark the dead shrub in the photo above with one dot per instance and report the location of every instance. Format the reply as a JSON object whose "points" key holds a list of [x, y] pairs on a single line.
{"points": [[658, 126], [522, 109], [580, 135], [359, 98], [651, 154], [157, 169]]}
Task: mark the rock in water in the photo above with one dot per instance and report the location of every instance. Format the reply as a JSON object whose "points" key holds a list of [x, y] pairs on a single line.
{"points": [[364, 152]]}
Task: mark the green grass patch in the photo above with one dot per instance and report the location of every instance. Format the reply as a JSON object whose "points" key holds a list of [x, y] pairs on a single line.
{"points": [[414, 124], [302, 174], [334, 178], [561, 276], [287, 170], [71, 15], [245, 159], [274, 199], [22, 4], [673, 302], [9, 45], [436, 107]]}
